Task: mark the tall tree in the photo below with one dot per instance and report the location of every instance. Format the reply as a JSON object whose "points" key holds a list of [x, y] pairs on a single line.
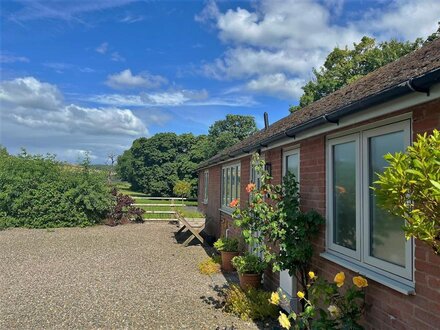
{"points": [[227, 132], [154, 165], [343, 66]]}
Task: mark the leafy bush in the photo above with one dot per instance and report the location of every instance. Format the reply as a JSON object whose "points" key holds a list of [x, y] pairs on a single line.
{"points": [[274, 212], [226, 244], [210, 266], [182, 188], [252, 304], [249, 264], [40, 192], [410, 188], [328, 306], [123, 211]]}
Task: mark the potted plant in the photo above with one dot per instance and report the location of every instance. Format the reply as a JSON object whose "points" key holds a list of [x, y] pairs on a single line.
{"points": [[249, 268], [228, 248]]}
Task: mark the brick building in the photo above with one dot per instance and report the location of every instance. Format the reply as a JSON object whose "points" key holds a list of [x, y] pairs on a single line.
{"points": [[334, 146]]}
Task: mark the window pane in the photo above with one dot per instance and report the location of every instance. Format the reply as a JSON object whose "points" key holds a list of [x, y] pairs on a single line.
{"points": [[344, 195], [387, 240], [223, 187], [233, 184], [206, 185], [292, 164], [238, 181], [227, 186]]}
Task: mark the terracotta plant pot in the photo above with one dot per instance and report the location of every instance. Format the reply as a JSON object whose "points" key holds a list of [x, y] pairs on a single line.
{"points": [[226, 260], [249, 281]]}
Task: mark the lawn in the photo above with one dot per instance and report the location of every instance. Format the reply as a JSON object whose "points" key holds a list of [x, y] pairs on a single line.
{"points": [[185, 207]]}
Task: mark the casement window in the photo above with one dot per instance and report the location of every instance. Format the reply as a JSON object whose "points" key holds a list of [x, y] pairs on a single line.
{"points": [[291, 163], [256, 179], [287, 282], [230, 184], [358, 230], [205, 187]]}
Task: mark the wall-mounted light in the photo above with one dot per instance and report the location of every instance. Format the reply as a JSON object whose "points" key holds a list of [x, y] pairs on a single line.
{"points": [[268, 168]]}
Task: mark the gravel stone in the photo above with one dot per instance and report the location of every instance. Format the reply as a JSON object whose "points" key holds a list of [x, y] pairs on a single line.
{"points": [[125, 277]]}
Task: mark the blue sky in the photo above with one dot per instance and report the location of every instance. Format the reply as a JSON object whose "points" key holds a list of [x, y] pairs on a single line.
{"points": [[93, 76]]}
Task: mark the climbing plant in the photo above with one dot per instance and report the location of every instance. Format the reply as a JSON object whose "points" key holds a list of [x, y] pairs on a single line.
{"points": [[274, 213]]}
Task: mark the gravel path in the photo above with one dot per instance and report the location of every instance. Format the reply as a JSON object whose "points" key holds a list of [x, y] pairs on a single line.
{"points": [[132, 276]]}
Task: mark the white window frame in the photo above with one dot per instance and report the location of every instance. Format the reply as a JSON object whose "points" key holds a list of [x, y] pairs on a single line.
{"points": [[205, 186], [405, 272], [254, 177], [330, 201], [227, 195], [288, 153], [284, 274], [385, 272]]}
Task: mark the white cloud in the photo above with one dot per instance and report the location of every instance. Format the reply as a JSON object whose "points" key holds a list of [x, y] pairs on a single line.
{"points": [[208, 13], [10, 58], [276, 85], [72, 11], [28, 92], [79, 154], [244, 62], [165, 98], [60, 67], [172, 99], [407, 19], [130, 19], [37, 105], [119, 100], [116, 57], [275, 45], [125, 79], [102, 48]]}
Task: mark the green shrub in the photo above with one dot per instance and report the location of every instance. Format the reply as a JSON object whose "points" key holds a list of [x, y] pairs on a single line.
{"points": [[210, 266], [226, 244], [410, 188], [252, 304], [40, 192], [249, 264], [182, 188]]}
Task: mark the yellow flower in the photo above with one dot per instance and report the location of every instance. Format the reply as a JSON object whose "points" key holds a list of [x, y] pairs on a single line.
{"points": [[300, 294], [334, 310], [274, 298], [339, 279], [284, 321], [312, 275], [360, 282]]}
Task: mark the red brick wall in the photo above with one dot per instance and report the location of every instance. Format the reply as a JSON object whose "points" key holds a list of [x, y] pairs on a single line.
{"points": [[387, 308], [211, 210]]}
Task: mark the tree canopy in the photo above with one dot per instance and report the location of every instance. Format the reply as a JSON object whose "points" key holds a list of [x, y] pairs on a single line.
{"points": [[227, 132], [344, 66], [154, 165]]}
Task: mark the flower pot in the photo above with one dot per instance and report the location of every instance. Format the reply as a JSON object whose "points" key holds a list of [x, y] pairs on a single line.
{"points": [[226, 260], [249, 281]]}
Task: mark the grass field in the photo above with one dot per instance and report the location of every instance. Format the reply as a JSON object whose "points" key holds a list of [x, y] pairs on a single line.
{"points": [[154, 211]]}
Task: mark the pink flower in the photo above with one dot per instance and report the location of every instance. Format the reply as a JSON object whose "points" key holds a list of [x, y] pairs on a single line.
{"points": [[234, 203]]}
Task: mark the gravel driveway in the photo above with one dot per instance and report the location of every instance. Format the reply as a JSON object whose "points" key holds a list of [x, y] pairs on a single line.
{"points": [[132, 276]]}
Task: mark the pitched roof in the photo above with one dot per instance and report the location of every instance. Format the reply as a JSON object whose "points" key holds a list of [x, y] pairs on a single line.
{"points": [[416, 64]]}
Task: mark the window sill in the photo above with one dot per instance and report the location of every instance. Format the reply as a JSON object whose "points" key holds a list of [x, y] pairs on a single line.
{"points": [[368, 273], [227, 211]]}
